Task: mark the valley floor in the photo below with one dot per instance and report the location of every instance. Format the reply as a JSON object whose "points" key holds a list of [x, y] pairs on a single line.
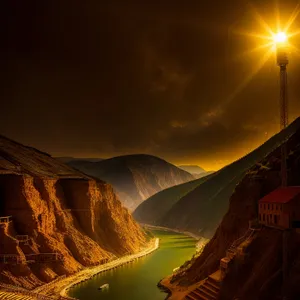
{"points": [[61, 287]]}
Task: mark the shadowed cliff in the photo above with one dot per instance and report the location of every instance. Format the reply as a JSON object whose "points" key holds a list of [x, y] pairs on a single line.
{"points": [[259, 276]]}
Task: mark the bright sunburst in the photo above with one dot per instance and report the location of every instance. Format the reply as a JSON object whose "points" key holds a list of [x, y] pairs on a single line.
{"points": [[280, 37], [270, 41]]}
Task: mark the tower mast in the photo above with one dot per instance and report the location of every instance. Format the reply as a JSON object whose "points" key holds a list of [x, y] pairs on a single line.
{"points": [[282, 62]]}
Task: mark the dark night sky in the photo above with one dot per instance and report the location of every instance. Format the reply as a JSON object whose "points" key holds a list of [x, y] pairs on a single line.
{"points": [[105, 78]]}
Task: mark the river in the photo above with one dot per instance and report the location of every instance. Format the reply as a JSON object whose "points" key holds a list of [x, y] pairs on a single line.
{"points": [[138, 280]]}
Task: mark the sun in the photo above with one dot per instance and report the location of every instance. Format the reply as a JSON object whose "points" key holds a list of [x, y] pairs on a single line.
{"points": [[280, 38], [270, 40]]}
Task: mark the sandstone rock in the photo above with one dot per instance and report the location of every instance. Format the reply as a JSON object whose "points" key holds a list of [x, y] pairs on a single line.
{"points": [[62, 211]]}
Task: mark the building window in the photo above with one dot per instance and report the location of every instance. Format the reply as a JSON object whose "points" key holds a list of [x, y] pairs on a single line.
{"points": [[275, 219], [264, 217], [268, 206]]}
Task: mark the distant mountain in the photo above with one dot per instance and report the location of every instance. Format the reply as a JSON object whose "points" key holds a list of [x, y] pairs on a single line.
{"points": [[67, 159], [201, 208], [193, 169], [203, 174], [135, 177]]}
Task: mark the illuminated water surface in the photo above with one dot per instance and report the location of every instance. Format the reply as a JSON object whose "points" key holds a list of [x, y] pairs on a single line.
{"points": [[138, 280]]}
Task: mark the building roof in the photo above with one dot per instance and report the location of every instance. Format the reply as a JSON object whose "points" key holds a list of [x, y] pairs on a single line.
{"points": [[282, 195]]}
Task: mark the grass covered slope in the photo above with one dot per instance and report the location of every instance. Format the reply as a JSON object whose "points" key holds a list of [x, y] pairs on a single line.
{"points": [[135, 177], [201, 210], [148, 211]]}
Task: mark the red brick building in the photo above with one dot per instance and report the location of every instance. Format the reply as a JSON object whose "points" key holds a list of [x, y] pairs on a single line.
{"points": [[281, 208]]}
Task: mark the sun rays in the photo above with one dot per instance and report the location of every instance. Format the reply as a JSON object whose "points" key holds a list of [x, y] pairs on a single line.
{"points": [[270, 37], [266, 56]]}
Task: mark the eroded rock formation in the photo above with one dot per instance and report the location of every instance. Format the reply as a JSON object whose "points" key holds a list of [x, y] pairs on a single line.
{"points": [[77, 220]]}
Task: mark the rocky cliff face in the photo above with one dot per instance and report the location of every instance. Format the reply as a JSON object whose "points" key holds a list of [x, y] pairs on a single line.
{"points": [[71, 220], [135, 177], [201, 207], [260, 275]]}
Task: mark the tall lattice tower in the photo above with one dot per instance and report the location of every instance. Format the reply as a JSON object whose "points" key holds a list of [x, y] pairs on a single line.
{"points": [[282, 61]]}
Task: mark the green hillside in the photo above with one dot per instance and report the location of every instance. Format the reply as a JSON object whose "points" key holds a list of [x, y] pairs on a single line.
{"points": [[156, 207]]}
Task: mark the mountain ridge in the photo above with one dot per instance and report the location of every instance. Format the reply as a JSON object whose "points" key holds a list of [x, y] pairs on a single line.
{"points": [[135, 177]]}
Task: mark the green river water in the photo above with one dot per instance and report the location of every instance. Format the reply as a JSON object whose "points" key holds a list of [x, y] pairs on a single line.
{"points": [[138, 280]]}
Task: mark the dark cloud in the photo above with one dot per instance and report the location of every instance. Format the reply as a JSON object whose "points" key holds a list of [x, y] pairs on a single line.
{"points": [[104, 78]]}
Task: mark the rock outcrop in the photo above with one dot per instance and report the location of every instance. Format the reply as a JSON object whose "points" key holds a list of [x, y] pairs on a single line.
{"points": [[259, 275], [135, 177], [70, 219], [201, 209]]}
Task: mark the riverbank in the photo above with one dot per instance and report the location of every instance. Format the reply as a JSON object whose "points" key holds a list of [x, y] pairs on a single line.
{"points": [[61, 287], [174, 291], [201, 241]]}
